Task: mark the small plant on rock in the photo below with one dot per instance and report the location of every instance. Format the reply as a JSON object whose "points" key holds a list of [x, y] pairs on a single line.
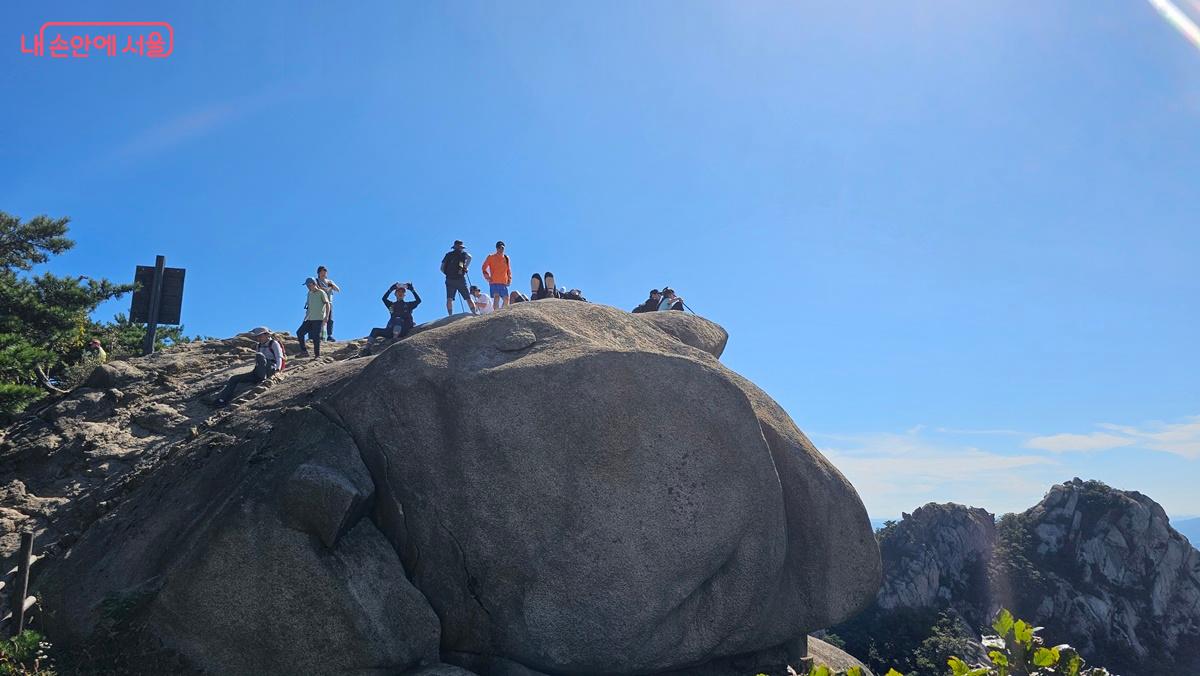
{"points": [[25, 654], [1017, 650]]}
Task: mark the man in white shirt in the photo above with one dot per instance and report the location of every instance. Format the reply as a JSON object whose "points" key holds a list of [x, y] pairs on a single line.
{"points": [[482, 301]]}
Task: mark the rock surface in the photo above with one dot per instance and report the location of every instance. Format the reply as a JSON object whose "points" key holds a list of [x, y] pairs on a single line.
{"points": [[558, 488], [1098, 567]]}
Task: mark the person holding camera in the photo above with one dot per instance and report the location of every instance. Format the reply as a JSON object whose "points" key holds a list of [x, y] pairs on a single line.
{"points": [[401, 321]]}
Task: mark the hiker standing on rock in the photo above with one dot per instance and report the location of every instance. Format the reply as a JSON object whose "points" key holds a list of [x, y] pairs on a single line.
{"points": [[316, 312], [651, 304], [454, 266], [498, 272], [401, 321], [268, 360], [329, 287]]}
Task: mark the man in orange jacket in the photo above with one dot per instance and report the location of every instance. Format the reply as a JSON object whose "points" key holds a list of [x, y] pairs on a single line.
{"points": [[498, 273]]}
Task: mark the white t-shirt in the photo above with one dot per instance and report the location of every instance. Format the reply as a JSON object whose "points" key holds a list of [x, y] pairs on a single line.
{"points": [[327, 287], [483, 304]]}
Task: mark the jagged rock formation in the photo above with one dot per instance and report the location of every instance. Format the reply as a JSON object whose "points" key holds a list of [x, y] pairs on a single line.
{"points": [[557, 488], [1098, 567]]}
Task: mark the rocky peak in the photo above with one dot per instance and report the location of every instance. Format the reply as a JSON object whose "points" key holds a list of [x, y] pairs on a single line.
{"points": [[1117, 579], [936, 554], [1098, 567]]}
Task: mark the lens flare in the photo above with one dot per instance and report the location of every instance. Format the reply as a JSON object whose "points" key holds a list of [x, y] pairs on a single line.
{"points": [[1177, 18]]}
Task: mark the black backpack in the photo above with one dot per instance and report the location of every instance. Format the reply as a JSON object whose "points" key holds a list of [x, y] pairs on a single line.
{"points": [[455, 264]]}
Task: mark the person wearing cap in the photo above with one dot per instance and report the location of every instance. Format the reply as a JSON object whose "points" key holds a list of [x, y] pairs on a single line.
{"points": [[401, 321], [329, 287], [651, 304], [95, 351], [669, 300], [316, 312], [482, 302], [498, 273], [268, 360], [454, 265]]}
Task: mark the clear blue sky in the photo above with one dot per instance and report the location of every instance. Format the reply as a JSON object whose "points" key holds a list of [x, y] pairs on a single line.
{"points": [[956, 240]]}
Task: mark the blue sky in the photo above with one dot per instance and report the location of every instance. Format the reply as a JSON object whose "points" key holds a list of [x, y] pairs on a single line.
{"points": [[957, 241]]}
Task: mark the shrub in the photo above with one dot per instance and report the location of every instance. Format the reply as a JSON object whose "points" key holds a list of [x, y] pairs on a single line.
{"points": [[25, 654]]}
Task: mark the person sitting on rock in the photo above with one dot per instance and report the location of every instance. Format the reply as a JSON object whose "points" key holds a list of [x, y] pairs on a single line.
{"points": [[546, 288], [268, 360], [574, 294], [95, 352], [401, 321], [517, 297], [482, 301], [535, 286], [651, 304], [669, 300]]}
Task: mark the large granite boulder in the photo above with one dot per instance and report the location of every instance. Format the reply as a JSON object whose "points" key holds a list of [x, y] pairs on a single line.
{"points": [[556, 488], [577, 490]]}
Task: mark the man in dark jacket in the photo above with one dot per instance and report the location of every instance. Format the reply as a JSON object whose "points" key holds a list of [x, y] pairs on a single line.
{"points": [[401, 321], [651, 305], [454, 266]]}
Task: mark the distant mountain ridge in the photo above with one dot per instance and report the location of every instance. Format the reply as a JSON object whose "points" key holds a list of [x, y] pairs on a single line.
{"points": [[1189, 528], [1098, 567]]}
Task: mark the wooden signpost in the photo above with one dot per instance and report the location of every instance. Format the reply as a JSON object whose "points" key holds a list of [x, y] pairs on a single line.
{"points": [[158, 298]]}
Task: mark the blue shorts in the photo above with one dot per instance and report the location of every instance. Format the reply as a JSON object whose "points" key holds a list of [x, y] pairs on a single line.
{"points": [[499, 290]]}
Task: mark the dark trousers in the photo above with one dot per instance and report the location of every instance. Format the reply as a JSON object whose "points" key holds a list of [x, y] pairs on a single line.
{"points": [[394, 330], [257, 375], [311, 328]]}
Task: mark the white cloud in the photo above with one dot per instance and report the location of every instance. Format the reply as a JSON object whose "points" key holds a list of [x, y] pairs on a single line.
{"points": [[1068, 443], [1181, 438], [995, 432], [899, 472], [1178, 438]]}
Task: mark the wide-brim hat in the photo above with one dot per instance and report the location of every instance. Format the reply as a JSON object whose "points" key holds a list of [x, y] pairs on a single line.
{"points": [[259, 330]]}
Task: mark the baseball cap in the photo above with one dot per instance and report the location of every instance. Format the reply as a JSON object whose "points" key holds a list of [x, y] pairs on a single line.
{"points": [[259, 330], [309, 280], [499, 244], [458, 242]]}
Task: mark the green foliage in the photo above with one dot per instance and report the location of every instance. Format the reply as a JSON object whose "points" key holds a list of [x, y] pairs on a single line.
{"points": [[24, 245], [123, 338], [24, 654], [45, 324], [1015, 650], [948, 637]]}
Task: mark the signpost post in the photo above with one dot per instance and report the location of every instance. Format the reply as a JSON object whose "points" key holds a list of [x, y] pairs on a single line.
{"points": [[158, 299]]}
